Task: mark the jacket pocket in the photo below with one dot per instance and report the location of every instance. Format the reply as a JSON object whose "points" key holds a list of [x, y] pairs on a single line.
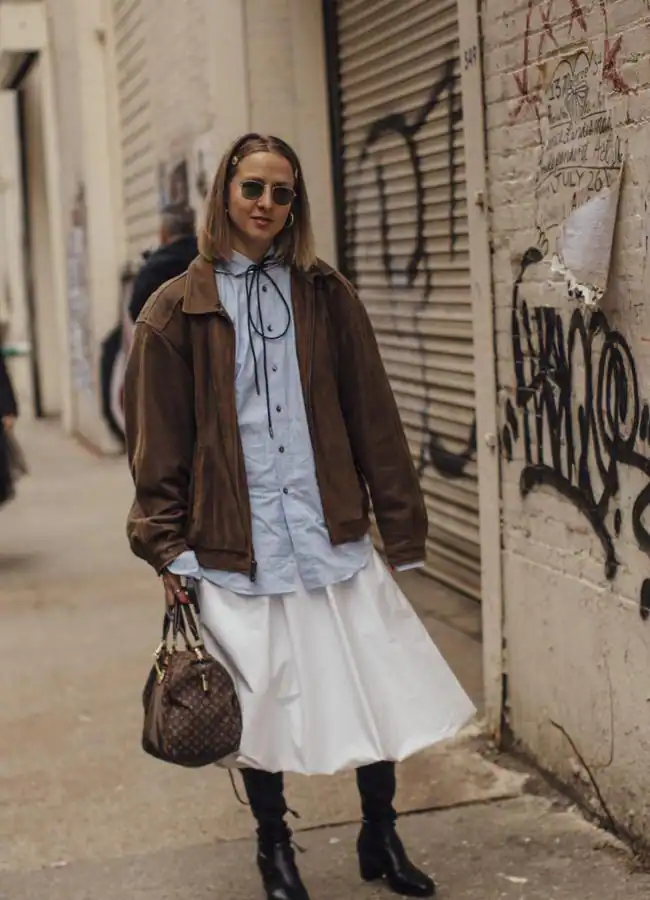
{"points": [[215, 521]]}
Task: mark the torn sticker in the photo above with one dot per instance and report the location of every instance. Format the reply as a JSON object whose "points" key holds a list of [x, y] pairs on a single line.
{"points": [[584, 245]]}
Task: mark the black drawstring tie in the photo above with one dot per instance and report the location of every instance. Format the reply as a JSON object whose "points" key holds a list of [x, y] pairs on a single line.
{"points": [[256, 326]]}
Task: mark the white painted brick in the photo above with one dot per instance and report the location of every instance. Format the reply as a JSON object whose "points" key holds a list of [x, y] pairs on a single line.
{"points": [[557, 598]]}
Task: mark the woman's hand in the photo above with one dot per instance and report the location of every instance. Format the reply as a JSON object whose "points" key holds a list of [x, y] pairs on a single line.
{"points": [[8, 422], [174, 590]]}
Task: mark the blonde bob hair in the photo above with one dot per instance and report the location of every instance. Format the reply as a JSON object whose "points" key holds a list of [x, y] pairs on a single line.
{"points": [[295, 244]]}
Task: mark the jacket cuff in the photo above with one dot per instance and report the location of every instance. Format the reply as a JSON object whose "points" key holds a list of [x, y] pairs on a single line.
{"points": [[186, 565], [161, 560], [409, 556]]}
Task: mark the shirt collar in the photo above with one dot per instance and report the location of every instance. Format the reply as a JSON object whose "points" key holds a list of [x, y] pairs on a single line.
{"points": [[238, 264]]}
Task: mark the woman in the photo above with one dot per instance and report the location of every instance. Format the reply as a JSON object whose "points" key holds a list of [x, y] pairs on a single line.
{"points": [[260, 422]]}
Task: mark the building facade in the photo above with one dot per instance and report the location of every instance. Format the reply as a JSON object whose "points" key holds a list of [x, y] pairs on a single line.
{"points": [[479, 169]]}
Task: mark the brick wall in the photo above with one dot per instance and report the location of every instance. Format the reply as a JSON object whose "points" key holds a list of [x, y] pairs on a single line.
{"points": [[573, 76]]}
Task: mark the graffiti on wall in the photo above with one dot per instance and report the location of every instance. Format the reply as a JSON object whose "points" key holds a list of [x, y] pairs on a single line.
{"points": [[542, 32], [581, 155], [405, 269], [578, 414]]}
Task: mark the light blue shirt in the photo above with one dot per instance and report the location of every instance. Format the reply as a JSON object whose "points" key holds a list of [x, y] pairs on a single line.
{"points": [[290, 538]]}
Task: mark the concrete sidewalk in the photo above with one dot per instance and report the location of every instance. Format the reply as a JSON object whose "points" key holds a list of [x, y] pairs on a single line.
{"points": [[85, 814], [519, 849]]}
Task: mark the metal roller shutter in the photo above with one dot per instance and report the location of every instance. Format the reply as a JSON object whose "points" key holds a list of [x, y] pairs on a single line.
{"points": [[407, 247], [139, 172]]}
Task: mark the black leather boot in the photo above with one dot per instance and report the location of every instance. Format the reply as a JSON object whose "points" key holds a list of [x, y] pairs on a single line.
{"points": [[280, 875], [382, 856], [275, 856], [381, 852]]}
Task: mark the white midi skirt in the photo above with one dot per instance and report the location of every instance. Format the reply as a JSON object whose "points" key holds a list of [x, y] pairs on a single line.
{"points": [[335, 678]]}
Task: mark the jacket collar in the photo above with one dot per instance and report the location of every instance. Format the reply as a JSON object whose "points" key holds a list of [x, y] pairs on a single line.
{"points": [[201, 295]]}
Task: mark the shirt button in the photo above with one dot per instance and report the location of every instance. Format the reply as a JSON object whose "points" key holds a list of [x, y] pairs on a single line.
{"points": [[281, 449], [264, 288], [285, 490], [269, 328], [274, 368], [278, 409]]}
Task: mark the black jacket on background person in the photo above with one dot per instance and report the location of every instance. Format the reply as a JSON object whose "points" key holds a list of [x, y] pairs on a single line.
{"points": [[8, 407], [164, 263], [8, 402]]}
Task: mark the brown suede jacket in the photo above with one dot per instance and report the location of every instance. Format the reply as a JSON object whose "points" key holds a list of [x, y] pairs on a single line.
{"points": [[183, 439]]}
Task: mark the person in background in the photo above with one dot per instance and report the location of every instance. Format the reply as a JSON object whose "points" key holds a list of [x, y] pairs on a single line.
{"points": [[8, 416], [260, 423], [178, 247]]}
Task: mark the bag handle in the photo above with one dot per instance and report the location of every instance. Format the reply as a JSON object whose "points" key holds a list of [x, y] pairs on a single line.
{"points": [[191, 621], [180, 619]]}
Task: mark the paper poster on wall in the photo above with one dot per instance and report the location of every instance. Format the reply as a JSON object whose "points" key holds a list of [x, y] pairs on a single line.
{"points": [[178, 183], [580, 170], [204, 161], [80, 334], [163, 192]]}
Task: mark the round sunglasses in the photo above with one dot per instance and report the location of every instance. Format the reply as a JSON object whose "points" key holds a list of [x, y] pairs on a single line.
{"points": [[254, 190]]}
